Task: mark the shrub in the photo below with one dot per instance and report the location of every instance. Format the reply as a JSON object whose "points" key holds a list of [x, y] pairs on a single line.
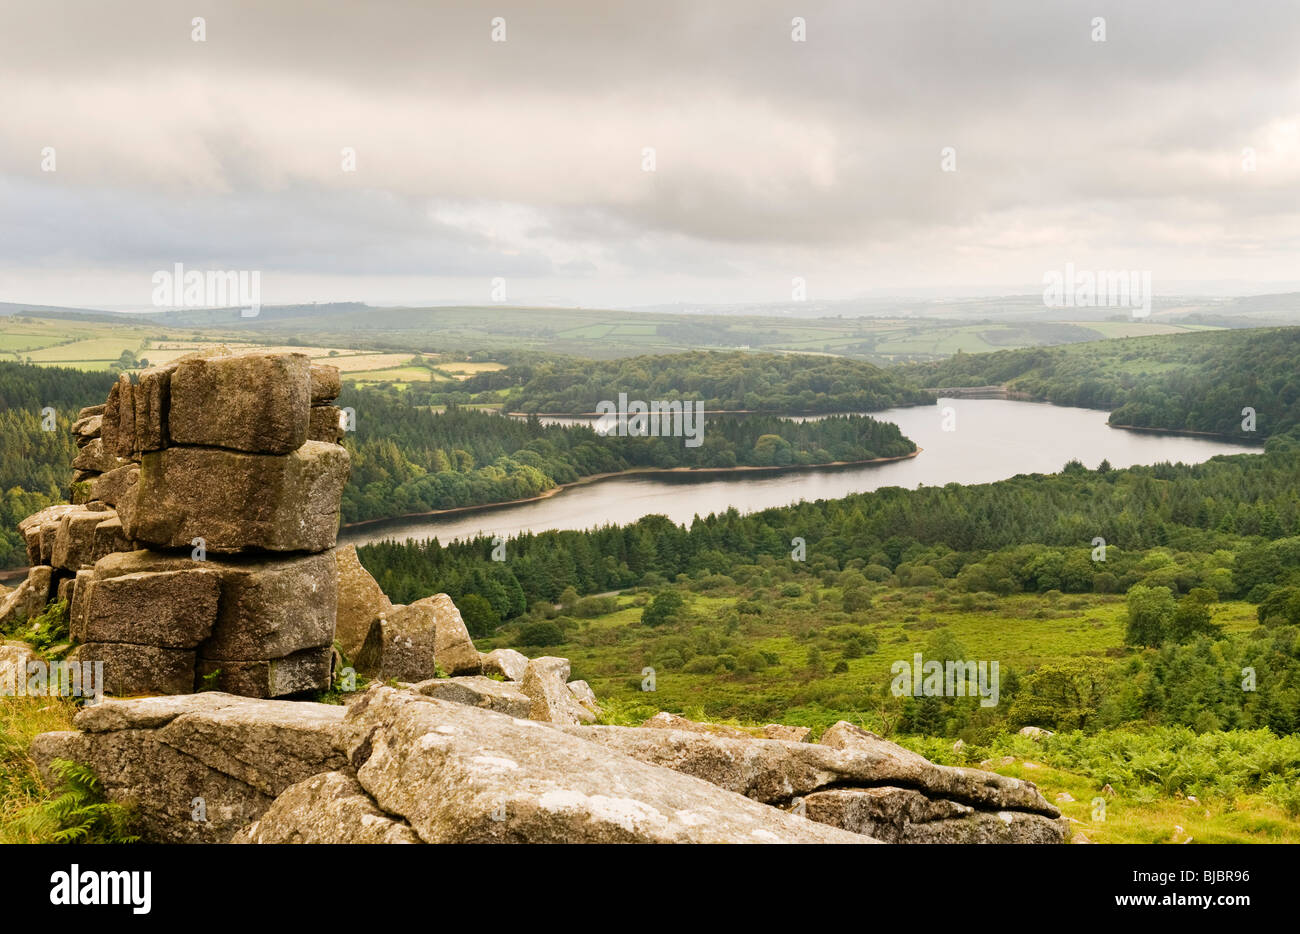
{"points": [[670, 660], [543, 632], [588, 607], [666, 606], [701, 665], [859, 598]]}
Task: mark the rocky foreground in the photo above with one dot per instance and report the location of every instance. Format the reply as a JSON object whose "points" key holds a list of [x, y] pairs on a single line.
{"points": [[409, 765], [201, 570]]}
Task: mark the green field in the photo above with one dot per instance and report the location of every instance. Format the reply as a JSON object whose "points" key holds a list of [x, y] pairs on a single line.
{"points": [[1022, 632], [1151, 794], [98, 346]]}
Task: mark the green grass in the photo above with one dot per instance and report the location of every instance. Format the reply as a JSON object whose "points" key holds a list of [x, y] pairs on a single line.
{"points": [[21, 787], [100, 348], [1238, 778], [403, 374], [1238, 786], [1022, 632]]}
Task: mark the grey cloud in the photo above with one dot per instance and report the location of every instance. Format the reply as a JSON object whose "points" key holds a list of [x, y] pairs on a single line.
{"points": [[361, 233], [770, 151]]}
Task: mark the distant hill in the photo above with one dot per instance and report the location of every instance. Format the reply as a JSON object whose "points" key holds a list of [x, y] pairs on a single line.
{"points": [[9, 309], [1198, 382]]}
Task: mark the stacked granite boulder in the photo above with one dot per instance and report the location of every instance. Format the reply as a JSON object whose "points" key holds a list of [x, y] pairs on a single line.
{"points": [[199, 549]]}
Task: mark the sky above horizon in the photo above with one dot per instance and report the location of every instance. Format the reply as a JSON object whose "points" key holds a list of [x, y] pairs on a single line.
{"points": [[126, 147]]}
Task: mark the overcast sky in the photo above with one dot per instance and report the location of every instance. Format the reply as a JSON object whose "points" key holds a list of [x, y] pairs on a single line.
{"points": [[523, 159]]}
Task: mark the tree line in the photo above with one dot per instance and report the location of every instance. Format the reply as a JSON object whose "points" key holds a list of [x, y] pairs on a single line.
{"points": [[36, 463], [736, 381], [1029, 532]]}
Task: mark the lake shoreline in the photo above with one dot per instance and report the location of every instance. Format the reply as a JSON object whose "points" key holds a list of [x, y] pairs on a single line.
{"points": [[613, 475], [1187, 433], [595, 416]]}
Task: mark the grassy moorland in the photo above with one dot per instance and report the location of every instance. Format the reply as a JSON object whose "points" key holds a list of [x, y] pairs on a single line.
{"points": [[781, 648]]}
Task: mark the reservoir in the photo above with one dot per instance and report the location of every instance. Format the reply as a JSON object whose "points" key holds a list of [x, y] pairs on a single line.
{"points": [[962, 440]]}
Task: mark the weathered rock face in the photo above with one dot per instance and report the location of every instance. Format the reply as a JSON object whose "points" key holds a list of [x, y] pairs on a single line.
{"points": [[257, 626], [325, 424], [783, 773], [28, 599], [671, 721], [408, 641], [258, 403], [109, 538], [585, 696], [168, 609], [462, 775], [124, 416], [308, 670], [545, 683], [140, 669], [438, 763], [110, 417], [201, 767], [325, 383], [507, 663], [267, 607], [399, 647], [453, 648], [911, 769], [95, 458], [31, 528], [115, 486], [14, 657], [901, 815], [478, 691], [208, 453], [327, 808], [360, 601], [152, 399], [86, 428], [273, 608], [795, 734], [240, 502]]}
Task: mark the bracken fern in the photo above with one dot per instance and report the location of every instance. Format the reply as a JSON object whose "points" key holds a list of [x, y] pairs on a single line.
{"points": [[79, 814]]}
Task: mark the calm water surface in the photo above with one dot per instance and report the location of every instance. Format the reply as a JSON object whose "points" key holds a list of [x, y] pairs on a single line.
{"points": [[991, 440]]}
